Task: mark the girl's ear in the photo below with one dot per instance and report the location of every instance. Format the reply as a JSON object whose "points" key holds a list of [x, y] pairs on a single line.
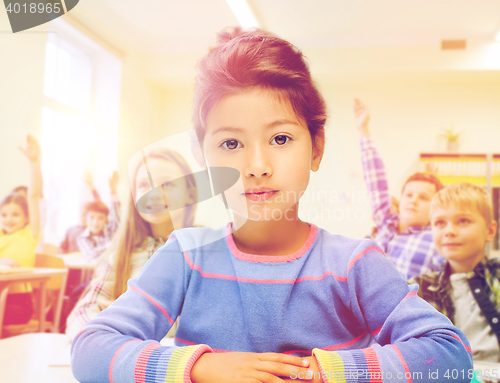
{"points": [[317, 153]]}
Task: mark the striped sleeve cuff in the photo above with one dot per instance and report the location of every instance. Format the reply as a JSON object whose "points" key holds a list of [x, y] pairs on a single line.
{"points": [[169, 365], [360, 366]]}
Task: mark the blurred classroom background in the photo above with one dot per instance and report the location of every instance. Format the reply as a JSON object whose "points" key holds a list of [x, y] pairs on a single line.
{"points": [[112, 77]]}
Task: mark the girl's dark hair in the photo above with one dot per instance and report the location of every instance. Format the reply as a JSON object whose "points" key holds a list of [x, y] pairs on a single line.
{"points": [[19, 200], [243, 60]]}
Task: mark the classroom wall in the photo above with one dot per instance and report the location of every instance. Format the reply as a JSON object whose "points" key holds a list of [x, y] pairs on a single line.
{"points": [[21, 74], [408, 111]]}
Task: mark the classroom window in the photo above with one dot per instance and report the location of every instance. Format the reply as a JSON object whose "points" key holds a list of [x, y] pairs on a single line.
{"points": [[79, 131]]}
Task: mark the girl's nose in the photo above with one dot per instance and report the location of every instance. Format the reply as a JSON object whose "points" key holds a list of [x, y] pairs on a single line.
{"points": [[258, 163]]}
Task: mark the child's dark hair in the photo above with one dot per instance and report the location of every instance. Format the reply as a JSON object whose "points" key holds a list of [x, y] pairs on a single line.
{"points": [[425, 177], [243, 60], [19, 200], [96, 206]]}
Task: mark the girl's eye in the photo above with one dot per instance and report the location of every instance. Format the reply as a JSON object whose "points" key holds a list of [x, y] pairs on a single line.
{"points": [[231, 144], [281, 139], [438, 223], [463, 221]]}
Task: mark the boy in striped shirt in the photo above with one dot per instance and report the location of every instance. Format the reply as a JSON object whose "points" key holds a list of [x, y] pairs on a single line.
{"points": [[405, 236]]}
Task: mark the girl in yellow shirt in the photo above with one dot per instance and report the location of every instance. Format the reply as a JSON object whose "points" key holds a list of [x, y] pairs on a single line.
{"points": [[19, 235]]}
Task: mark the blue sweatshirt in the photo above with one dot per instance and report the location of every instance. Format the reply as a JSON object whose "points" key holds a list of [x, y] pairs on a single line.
{"points": [[337, 298]]}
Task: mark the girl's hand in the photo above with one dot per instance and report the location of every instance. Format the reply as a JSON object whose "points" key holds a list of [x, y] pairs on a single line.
{"points": [[362, 117], [315, 373], [248, 367], [113, 182], [8, 262], [32, 151]]}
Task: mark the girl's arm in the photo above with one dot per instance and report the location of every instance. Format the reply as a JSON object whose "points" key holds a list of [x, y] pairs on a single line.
{"points": [[122, 342], [33, 153], [412, 339]]}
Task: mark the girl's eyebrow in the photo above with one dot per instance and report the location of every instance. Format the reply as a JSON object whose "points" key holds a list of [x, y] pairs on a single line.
{"points": [[282, 122], [268, 126], [226, 129]]}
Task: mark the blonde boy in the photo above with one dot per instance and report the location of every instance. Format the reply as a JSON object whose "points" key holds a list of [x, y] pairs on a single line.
{"points": [[467, 289]]}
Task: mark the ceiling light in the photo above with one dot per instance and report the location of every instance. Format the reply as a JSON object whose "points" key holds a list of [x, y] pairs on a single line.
{"points": [[243, 13]]}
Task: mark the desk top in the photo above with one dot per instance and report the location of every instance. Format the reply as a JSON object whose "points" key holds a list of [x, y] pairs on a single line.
{"points": [[75, 261], [31, 274], [27, 358]]}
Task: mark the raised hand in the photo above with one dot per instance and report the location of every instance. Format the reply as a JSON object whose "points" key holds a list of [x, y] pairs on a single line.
{"points": [[89, 179], [431, 167], [247, 367], [32, 151], [362, 117], [113, 182]]}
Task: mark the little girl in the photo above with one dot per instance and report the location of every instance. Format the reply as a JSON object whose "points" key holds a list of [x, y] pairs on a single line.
{"points": [[138, 238], [272, 298], [19, 235]]}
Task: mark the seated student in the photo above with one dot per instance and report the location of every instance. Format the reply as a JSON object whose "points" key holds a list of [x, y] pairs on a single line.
{"points": [[19, 235], [268, 288], [99, 230], [467, 288], [405, 236], [137, 239], [69, 244]]}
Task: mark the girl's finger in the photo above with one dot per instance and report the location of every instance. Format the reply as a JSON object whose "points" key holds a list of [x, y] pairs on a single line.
{"points": [[284, 358], [266, 377]]}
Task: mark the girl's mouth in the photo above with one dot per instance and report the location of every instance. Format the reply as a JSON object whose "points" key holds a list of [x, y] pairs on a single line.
{"points": [[157, 208], [260, 194]]}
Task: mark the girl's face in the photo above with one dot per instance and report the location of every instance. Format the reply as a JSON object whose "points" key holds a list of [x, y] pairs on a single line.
{"points": [[12, 218], [262, 137], [153, 208]]}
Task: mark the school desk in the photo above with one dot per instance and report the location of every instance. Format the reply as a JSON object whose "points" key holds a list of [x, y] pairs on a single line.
{"points": [[36, 357], [40, 358], [25, 274], [77, 261]]}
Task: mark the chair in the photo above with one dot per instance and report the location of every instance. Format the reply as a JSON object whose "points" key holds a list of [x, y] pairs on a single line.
{"points": [[55, 287], [3, 300]]}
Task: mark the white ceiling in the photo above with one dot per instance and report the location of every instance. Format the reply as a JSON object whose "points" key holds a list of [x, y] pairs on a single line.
{"points": [[189, 26]]}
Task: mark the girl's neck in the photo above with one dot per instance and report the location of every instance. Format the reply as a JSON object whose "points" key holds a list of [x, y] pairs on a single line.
{"points": [[274, 237], [161, 230]]}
